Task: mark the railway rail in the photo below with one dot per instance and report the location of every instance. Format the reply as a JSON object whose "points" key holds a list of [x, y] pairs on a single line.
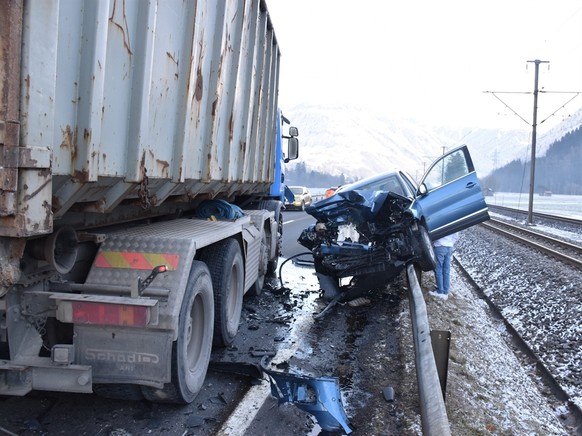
{"points": [[539, 215], [565, 251]]}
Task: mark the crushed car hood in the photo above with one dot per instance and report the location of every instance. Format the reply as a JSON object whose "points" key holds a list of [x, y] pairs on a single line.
{"points": [[359, 233], [352, 206]]}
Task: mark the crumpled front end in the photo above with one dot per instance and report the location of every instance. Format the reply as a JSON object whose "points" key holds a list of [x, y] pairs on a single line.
{"points": [[359, 233]]}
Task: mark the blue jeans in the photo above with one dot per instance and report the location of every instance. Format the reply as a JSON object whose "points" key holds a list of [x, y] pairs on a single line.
{"points": [[442, 270]]}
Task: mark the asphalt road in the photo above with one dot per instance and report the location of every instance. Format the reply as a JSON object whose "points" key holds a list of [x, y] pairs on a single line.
{"points": [[294, 222]]}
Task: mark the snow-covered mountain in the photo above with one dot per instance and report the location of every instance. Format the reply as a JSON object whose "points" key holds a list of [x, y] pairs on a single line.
{"points": [[351, 141]]}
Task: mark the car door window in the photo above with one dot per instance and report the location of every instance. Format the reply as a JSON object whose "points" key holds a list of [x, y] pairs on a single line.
{"points": [[446, 170]]}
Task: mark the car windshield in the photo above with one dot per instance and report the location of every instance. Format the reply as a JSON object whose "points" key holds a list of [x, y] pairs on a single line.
{"points": [[295, 190], [383, 182]]}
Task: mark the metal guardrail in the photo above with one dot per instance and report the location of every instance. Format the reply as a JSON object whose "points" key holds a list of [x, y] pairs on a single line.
{"points": [[433, 413]]}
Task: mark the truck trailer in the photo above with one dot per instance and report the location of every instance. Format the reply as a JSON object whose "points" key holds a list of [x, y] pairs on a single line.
{"points": [[141, 156]]}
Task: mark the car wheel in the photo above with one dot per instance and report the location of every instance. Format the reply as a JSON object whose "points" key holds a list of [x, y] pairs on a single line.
{"points": [[425, 250], [225, 263], [191, 351]]}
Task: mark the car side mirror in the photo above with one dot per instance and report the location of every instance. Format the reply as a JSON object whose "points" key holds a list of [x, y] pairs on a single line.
{"points": [[422, 189]]}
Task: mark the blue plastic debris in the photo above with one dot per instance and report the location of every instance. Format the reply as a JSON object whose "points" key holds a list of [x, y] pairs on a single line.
{"points": [[319, 396]]}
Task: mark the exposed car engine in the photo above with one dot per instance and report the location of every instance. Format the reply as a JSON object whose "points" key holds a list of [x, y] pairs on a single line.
{"points": [[360, 232]]}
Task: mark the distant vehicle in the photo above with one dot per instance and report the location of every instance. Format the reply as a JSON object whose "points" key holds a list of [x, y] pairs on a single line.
{"points": [[330, 191], [302, 198], [371, 229], [546, 193]]}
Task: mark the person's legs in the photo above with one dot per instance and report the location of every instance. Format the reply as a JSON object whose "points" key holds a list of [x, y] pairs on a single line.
{"points": [[446, 269], [440, 254]]}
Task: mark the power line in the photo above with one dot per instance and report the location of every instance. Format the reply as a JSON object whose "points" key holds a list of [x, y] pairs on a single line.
{"points": [[534, 124]]}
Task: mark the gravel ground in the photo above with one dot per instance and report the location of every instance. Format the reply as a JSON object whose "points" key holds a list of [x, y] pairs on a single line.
{"points": [[540, 297], [489, 390]]}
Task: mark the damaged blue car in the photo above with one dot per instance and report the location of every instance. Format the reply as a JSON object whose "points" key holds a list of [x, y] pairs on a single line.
{"points": [[370, 230]]}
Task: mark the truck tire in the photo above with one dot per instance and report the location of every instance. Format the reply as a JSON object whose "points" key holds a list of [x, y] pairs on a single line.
{"points": [[191, 350], [272, 264], [426, 257], [225, 263], [257, 287], [275, 206]]}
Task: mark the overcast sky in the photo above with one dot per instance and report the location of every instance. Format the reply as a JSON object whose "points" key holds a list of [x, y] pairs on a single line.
{"points": [[432, 60]]}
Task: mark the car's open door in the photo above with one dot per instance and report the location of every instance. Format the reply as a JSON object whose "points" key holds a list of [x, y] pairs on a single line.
{"points": [[450, 196]]}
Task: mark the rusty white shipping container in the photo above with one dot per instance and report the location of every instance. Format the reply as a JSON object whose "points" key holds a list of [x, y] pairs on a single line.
{"points": [[112, 100]]}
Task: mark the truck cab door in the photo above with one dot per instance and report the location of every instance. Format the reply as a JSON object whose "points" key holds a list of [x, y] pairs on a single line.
{"points": [[449, 196]]}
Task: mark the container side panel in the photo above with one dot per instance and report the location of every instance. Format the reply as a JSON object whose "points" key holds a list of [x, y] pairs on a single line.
{"points": [[119, 94], [221, 142], [254, 107], [243, 89]]}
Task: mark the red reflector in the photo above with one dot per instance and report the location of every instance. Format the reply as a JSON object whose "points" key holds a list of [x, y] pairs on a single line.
{"points": [[110, 314]]}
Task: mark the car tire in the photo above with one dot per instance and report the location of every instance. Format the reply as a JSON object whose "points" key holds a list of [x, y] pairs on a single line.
{"points": [[303, 205], [425, 251], [226, 266], [191, 351]]}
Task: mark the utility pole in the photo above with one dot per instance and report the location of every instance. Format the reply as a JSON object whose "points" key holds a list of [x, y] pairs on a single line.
{"points": [[537, 63]]}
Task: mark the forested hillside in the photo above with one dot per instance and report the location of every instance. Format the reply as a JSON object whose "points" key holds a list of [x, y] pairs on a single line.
{"points": [[559, 171], [299, 175]]}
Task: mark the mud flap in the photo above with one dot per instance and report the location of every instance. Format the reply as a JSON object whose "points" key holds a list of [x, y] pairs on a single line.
{"points": [[320, 397]]}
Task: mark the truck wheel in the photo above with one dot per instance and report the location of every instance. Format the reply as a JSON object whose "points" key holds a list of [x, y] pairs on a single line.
{"points": [[191, 350], [275, 206], [225, 262], [257, 287], [427, 258], [272, 264]]}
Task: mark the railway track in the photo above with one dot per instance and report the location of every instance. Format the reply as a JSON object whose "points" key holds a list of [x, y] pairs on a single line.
{"points": [[573, 417], [564, 251], [539, 215]]}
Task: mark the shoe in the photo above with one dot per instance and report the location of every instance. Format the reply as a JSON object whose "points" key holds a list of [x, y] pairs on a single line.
{"points": [[438, 295]]}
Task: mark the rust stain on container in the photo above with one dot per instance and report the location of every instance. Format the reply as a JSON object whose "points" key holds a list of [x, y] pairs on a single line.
{"points": [[163, 165], [81, 176], [69, 141], [199, 85], [122, 28], [171, 56], [214, 104], [230, 127]]}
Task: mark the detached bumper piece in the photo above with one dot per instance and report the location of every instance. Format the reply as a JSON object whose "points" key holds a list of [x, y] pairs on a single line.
{"points": [[320, 397]]}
